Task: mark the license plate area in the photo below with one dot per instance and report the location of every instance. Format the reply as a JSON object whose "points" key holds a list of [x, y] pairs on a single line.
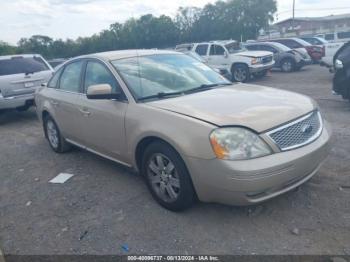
{"points": [[29, 84]]}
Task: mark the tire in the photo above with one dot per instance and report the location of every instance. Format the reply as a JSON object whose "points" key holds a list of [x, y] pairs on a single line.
{"points": [[260, 74], [167, 177], [240, 73], [288, 65], [53, 135]]}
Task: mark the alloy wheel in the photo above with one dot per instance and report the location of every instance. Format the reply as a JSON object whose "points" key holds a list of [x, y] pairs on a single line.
{"points": [[287, 66], [240, 74], [163, 177], [52, 133]]}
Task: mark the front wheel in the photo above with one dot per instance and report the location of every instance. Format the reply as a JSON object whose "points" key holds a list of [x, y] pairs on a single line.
{"points": [[167, 177], [287, 65], [240, 73]]}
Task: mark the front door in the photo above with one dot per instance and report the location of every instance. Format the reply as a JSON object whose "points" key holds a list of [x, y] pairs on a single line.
{"points": [[103, 121], [217, 57]]}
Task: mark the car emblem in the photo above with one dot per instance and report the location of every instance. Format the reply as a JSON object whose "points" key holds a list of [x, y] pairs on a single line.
{"points": [[306, 129]]}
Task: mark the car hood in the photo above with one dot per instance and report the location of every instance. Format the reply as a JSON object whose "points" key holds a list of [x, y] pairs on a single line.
{"points": [[256, 107], [254, 53]]}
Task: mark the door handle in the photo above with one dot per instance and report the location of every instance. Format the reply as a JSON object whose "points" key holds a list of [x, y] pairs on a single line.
{"points": [[85, 112]]}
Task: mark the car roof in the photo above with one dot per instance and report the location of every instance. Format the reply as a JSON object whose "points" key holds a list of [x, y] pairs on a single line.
{"points": [[115, 55]]}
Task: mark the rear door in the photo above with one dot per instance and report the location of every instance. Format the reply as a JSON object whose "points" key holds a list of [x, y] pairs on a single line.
{"points": [[66, 100], [22, 75], [103, 121]]}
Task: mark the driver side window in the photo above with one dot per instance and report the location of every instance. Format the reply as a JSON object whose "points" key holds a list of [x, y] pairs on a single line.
{"points": [[96, 74], [216, 50]]}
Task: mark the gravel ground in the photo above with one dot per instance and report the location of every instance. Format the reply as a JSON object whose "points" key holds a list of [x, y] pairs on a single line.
{"points": [[105, 206]]}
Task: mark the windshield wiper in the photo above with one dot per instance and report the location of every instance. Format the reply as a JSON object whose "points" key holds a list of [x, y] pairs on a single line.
{"points": [[161, 95], [205, 87], [190, 91]]}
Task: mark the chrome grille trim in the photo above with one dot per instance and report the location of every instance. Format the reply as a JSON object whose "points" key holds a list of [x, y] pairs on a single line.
{"points": [[277, 134]]}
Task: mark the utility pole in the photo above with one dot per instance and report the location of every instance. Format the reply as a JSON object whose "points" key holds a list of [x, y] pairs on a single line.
{"points": [[293, 15]]}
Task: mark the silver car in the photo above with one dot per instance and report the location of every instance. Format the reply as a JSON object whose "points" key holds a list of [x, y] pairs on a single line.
{"points": [[20, 76], [185, 128]]}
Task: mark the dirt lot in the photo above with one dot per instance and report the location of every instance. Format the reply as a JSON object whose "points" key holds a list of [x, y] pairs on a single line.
{"points": [[105, 206]]}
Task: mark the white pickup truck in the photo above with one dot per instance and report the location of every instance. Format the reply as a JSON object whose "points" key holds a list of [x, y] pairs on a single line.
{"points": [[230, 57], [330, 50]]}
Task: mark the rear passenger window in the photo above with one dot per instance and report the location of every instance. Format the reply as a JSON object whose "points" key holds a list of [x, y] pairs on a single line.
{"points": [[70, 79], [54, 80], [96, 74], [342, 35], [329, 37], [253, 47], [202, 49]]}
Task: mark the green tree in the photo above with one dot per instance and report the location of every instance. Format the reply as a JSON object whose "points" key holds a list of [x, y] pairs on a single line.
{"points": [[230, 19], [7, 49]]}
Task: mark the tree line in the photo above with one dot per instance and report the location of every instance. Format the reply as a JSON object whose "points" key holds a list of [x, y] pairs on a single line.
{"points": [[230, 19]]}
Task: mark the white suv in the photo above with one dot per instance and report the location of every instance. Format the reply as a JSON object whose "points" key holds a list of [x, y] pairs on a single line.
{"points": [[231, 57], [20, 76]]}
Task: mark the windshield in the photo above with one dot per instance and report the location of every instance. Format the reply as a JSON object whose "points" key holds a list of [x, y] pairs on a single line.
{"points": [[302, 42], [166, 73], [235, 47], [22, 65], [281, 47]]}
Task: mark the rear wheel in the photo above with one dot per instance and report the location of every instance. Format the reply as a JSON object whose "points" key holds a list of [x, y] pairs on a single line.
{"points": [[240, 73], [167, 177], [287, 65], [53, 134]]}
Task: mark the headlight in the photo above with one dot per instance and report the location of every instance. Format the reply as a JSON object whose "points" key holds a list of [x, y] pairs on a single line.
{"points": [[256, 60], [235, 143], [338, 64]]}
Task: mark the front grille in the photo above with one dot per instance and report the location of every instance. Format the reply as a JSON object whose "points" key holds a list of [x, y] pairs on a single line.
{"points": [[266, 59], [298, 133]]}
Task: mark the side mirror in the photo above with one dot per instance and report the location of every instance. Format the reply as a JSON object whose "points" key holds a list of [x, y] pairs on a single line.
{"points": [[101, 91], [43, 85]]}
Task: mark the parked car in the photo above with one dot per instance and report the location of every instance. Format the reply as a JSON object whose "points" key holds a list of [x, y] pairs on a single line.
{"points": [[190, 132], [328, 59], [314, 51], [230, 56], [224, 72], [20, 76], [336, 37], [285, 58], [341, 80], [313, 40]]}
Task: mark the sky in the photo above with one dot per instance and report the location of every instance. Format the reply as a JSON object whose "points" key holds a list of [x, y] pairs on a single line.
{"points": [[73, 18]]}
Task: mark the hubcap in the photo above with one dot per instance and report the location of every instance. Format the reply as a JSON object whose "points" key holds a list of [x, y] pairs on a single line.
{"points": [[287, 66], [240, 74], [163, 177], [52, 133]]}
